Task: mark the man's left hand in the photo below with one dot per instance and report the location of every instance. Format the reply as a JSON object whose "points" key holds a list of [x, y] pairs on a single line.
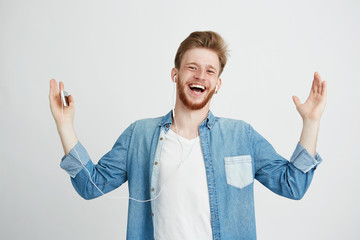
{"points": [[314, 105]]}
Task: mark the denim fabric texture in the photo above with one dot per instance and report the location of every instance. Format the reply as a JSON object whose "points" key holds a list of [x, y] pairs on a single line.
{"points": [[234, 154]]}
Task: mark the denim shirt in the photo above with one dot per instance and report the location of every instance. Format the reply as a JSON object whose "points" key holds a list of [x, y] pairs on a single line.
{"points": [[234, 154]]}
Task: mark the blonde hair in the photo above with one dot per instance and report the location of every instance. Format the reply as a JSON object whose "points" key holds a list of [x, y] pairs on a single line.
{"points": [[205, 39]]}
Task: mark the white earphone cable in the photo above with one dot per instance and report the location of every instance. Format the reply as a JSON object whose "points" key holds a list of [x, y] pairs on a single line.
{"points": [[166, 180]]}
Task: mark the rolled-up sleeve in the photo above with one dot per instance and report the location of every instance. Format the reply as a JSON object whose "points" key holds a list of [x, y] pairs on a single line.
{"points": [[74, 161], [108, 174], [303, 160], [287, 178]]}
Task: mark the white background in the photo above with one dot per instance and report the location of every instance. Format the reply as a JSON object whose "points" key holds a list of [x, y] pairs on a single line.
{"points": [[115, 58]]}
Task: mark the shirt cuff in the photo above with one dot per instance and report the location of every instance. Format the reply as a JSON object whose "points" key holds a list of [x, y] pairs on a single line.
{"points": [[74, 161], [303, 160]]}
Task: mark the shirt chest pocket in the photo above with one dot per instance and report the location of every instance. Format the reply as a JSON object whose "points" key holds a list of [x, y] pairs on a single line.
{"points": [[238, 171]]}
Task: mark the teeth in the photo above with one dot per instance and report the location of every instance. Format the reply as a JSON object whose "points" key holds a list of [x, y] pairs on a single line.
{"points": [[197, 86]]}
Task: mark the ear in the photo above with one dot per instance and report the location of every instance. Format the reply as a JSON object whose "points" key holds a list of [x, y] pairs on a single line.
{"points": [[174, 73], [218, 85]]}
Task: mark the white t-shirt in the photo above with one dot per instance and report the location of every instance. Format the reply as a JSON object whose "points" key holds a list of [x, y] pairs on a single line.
{"points": [[182, 211]]}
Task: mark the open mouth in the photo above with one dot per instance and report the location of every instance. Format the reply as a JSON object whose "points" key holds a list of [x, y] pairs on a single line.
{"points": [[197, 88]]}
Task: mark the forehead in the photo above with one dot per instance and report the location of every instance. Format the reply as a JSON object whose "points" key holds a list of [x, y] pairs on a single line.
{"points": [[201, 56]]}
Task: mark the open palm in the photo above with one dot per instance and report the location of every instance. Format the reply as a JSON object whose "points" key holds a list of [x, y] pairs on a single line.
{"points": [[314, 105]]}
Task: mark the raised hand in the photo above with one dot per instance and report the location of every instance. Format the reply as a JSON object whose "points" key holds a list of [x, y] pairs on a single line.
{"points": [[314, 105], [62, 115]]}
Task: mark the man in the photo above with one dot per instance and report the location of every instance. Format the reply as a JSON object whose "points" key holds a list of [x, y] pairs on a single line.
{"points": [[193, 171]]}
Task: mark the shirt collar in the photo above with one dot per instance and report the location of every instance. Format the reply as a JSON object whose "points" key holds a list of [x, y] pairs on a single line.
{"points": [[166, 121]]}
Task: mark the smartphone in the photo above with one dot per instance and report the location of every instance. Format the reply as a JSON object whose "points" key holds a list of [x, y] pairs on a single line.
{"points": [[64, 98]]}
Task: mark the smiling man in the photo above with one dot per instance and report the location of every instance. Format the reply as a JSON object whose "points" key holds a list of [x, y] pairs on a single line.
{"points": [[190, 174], [198, 64]]}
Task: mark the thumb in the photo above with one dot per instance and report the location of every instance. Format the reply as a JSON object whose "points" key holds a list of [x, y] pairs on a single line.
{"points": [[71, 101], [296, 101]]}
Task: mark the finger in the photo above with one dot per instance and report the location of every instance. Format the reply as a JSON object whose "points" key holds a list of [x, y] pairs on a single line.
{"points": [[317, 74], [71, 101], [54, 91], [314, 88], [296, 101], [317, 79], [324, 89], [53, 86], [61, 85]]}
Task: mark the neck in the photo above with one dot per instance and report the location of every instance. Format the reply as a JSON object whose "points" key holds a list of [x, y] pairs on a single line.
{"points": [[188, 121]]}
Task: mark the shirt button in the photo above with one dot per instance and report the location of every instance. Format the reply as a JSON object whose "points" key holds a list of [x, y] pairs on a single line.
{"points": [[152, 189], [152, 214], [156, 163], [161, 139], [167, 125]]}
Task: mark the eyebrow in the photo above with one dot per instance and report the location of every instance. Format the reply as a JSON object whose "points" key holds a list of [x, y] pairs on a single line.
{"points": [[208, 65]]}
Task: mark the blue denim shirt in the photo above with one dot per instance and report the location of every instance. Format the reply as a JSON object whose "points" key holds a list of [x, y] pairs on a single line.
{"points": [[234, 154]]}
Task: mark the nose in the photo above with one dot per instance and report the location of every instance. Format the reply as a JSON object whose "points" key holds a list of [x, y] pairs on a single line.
{"points": [[200, 74]]}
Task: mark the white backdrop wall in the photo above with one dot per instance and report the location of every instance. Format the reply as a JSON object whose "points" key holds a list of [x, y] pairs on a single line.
{"points": [[115, 58]]}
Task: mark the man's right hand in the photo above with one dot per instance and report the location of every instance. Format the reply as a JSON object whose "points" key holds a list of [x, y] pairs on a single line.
{"points": [[62, 115]]}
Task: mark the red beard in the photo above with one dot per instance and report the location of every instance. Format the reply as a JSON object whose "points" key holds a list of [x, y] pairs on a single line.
{"points": [[187, 102]]}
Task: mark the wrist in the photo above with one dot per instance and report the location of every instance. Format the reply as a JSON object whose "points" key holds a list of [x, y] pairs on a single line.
{"points": [[309, 134], [311, 127], [65, 127], [311, 122]]}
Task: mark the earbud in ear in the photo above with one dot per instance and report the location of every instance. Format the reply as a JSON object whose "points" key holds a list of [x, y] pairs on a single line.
{"points": [[175, 78], [216, 90]]}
